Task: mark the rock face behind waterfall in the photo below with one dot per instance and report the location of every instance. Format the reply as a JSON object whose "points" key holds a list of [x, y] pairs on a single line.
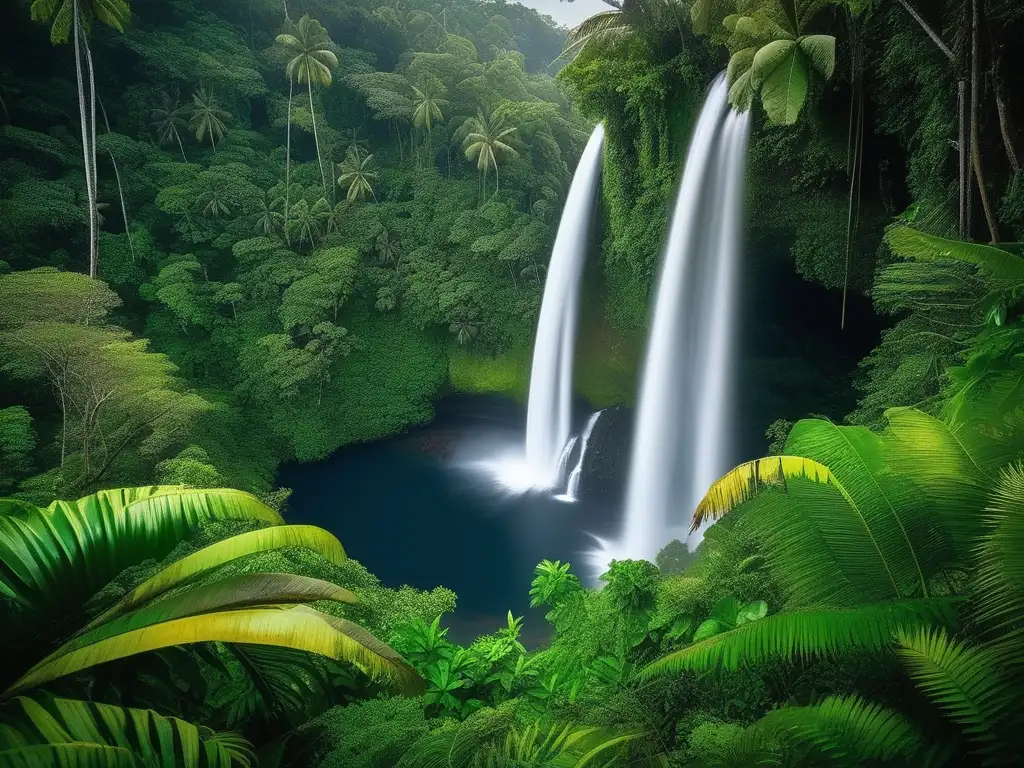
{"points": [[606, 463]]}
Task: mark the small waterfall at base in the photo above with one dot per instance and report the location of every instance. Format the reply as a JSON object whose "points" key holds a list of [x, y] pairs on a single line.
{"points": [[681, 439], [572, 487], [549, 409]]}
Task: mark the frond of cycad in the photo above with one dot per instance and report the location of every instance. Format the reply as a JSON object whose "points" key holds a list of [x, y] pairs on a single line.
{"points": [[910, 243], [301, 628], [966, 683], [999, 579], [87, 733], [846, 729], [747, 480], [817, 632]]}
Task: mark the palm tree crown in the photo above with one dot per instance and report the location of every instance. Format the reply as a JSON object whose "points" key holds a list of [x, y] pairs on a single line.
{"points": [[167, 118], [208, 116], [309, 47], [357, 173], [113, 13], [487, 143], [428, 103]]}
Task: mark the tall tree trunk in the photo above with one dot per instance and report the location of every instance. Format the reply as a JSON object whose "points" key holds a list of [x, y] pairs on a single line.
{"points": [[90, 201], [986, 204], [963, 160], [180, 145], [288, 146], [855, 153], [95, 231], [124, 208], [316, 139], [1006, 126]]}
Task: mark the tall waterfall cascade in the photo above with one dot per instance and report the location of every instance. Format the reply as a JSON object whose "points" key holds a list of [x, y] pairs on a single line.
{"points": [[549, 408], [682, 438]]}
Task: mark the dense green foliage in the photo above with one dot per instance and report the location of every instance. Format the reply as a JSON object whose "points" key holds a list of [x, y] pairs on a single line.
{"points": [[283, 228]]}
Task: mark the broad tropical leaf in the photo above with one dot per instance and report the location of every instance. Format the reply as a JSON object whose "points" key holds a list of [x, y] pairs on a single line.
{"points": [[805, 633], [189, 567], [780, 72], [116, 735], [301, 628], [965, 682], [56, 558]]}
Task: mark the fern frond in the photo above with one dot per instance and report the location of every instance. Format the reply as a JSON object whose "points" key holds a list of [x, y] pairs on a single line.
{"points": [[845, 730], [813, 632], [999, 580], [963, 681], [998, 264]]}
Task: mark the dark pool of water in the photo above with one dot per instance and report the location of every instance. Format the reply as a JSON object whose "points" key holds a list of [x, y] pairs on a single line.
{"points": [[410, 511]]}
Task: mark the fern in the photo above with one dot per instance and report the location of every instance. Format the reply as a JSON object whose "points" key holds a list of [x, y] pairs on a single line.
{"points": [[965, 683], [999, 582], [999, 265], [843, 730], [806, 633]]}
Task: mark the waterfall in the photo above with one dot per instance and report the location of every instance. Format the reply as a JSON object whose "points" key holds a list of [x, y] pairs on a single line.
{"points": [[572, 487], [681, 439], [549, 409]]}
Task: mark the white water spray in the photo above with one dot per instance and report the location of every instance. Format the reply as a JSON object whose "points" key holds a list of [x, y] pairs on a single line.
{"points": [[549, 410], [681, 439]]}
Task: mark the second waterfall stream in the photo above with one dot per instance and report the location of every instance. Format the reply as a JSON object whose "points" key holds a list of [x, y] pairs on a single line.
{"points": [[682, 436]]}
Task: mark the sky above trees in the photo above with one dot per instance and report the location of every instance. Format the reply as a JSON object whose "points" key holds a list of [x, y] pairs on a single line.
{"points": [[569, 14]]}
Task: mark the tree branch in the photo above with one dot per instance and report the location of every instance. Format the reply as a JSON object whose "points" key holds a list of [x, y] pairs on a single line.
{"points": [[930, 32]]}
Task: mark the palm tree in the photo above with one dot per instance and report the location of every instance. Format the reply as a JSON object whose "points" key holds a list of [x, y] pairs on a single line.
{"points": [[269, 218], [428, 103], [627, 18], [61, 556], [464, 330], [358, 175], [213, 203], [487, 143], [208, 116], [389, 250], [307, 221], [311, 62], [75, 17], [167, 119]]}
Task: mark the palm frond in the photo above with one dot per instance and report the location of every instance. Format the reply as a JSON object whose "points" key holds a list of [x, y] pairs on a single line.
{"points": [[225, 551], [812, 632], [600, 26], [747, 480], [56, 558], [166, 742], [301, 628]]}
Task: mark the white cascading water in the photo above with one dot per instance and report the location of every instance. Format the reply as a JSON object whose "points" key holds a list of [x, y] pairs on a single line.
{"points": [[681, 438], [572, 486], [549, 409]]}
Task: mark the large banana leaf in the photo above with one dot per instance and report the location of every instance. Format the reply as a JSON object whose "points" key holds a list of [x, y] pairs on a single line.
{"points": [[67, 732], [805, 633], [300, 628], [55, 558], [225, 551]]}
